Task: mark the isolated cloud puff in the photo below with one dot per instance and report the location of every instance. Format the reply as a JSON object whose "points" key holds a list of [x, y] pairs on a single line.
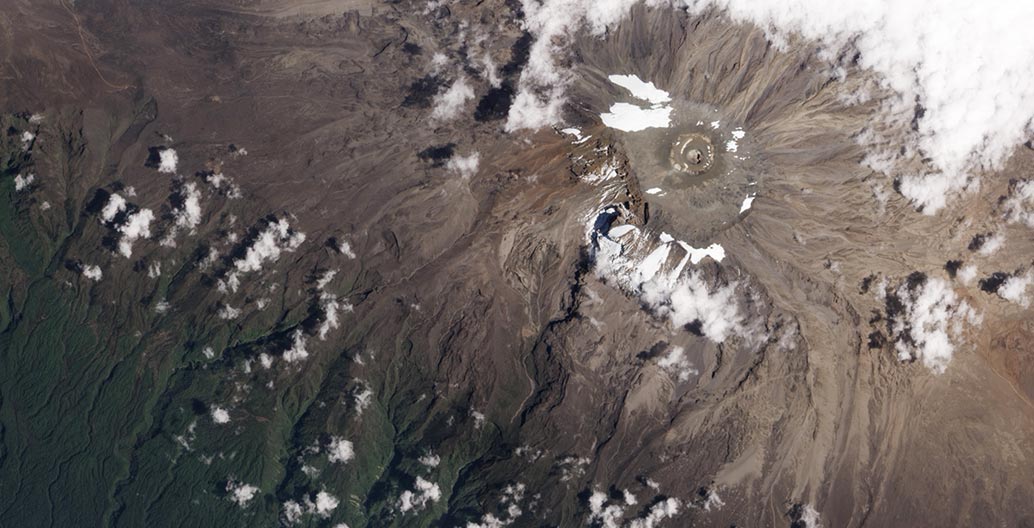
{"points": [[1014, 289], [168, 160], [92, 272], [450, 103], [340, 450], [23, 182], [465, 166], [240, 492], [423, 494], [298, 351]]}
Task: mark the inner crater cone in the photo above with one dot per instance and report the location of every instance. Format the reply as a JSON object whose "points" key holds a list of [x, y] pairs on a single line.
{"points": [[692, 153]]}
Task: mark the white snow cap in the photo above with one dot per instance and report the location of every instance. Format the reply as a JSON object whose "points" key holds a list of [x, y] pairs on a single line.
{"points": [[167, 161], [641, 89], [632, 117], [976, 92], [747, 203], [683, 298]]}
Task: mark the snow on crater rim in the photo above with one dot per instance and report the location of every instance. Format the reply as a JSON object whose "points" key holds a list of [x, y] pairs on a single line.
{"points": [[633, 118], [978, 101], [640, 89]]}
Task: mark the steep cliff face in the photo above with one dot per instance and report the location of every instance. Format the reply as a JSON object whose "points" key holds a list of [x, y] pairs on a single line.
{"points": [[282, 263]]}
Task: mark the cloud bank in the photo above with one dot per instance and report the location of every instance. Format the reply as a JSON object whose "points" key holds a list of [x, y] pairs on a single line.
{"points": [[966, 65]]}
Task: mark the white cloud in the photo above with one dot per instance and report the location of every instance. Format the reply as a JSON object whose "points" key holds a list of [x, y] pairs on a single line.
{"points": [[297, 352], [292, 512], [340, 450], [220, 415], [168, 160], [713, 502], [325, 279], [23, 182], [188, 213], [683, 298], [677, 364], [665, 509], [27, 138], [466, 166], [423, 494], [240, 493], [933, 315], [530, 111], [992, 245], [270, 243], [345, 248], [325, 504], [136, 226], [450, 103], [116, 204], [972, 120], [154, 270], [608, 516], [430, 460], [508, 503], [1019, 206], [810, 517], [92, 272], [363, 396], [330, 305], [228, 312], [265, 360], [540, 95], [1014, 289], [967, 274]]}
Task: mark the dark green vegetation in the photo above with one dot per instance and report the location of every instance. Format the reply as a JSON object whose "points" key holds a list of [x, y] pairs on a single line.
{"points": [[105, 416]]}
